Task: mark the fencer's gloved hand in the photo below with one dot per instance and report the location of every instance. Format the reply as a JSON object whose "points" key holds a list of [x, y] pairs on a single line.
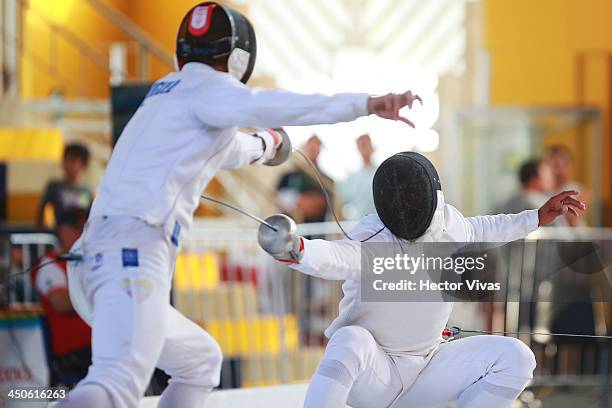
{"points": [[558, 205], [277, 146], [284, 244], [388, 106]]}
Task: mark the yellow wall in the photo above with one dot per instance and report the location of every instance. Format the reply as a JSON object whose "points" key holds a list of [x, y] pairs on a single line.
{"points": [[554, 53], [534, 45], [160, 22], [158, 18], [80, 19]]}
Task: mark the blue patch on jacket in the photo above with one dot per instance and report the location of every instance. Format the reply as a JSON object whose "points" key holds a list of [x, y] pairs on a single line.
{"points": [[129, 256]]}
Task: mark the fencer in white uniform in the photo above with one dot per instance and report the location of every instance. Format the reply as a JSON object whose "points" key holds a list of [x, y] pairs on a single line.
{"points": [[182, 134], [392, 354]]}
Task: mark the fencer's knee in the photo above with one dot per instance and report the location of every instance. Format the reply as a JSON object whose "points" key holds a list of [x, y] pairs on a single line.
{"points": [[204, 369], [352, 336], [351, 345], [210, 365], [518, 357]]}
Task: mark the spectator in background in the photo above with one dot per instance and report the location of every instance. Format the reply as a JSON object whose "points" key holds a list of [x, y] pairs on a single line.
{"points": [[69, 192], [536, 181], [299, 193], [356, 191], [572, 294], [561, 163], [70, 336]]}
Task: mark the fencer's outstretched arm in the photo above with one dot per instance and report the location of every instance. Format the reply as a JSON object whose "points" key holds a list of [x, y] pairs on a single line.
{"points": [[501, 227], [509, 227], [332, 260], [244, 149], [226, 102], [267, 146]]}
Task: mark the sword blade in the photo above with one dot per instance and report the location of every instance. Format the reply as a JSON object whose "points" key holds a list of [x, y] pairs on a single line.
{"points": [[593, 336], [241, 211]]}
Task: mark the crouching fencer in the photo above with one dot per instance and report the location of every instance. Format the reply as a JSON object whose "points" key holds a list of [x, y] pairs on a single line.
{"points": [[383, 354], [182, 134]]}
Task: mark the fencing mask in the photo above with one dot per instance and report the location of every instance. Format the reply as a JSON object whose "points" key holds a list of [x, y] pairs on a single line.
{"points": [[405, 190], [213, 33]]}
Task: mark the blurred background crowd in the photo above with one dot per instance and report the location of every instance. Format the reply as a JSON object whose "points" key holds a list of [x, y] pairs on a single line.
{"points": [[517, 107]]}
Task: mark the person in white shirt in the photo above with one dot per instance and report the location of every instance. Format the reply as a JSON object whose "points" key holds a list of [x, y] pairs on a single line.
{"points": [[355, 191], [392, 354], [182, 134]]}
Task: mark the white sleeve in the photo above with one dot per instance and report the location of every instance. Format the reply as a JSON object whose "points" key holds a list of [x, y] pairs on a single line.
{"points": [[49, 278], [501, 227], [338, 260], [332, 260], [244, 150], [227, 102]]}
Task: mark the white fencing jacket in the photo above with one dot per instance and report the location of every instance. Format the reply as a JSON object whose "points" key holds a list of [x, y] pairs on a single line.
{"points": [[408, 331], [184, 132]]}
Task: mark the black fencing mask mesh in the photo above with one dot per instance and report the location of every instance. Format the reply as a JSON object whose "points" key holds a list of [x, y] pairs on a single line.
{"points": [[405, 194]]}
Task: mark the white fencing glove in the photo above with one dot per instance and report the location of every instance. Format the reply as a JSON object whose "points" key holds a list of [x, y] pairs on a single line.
{"points": [[277, 146]]}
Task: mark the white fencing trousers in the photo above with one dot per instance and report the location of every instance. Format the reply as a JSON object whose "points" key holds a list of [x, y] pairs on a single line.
{"points": [[122, 289], [478, 371], [353, 366]]}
